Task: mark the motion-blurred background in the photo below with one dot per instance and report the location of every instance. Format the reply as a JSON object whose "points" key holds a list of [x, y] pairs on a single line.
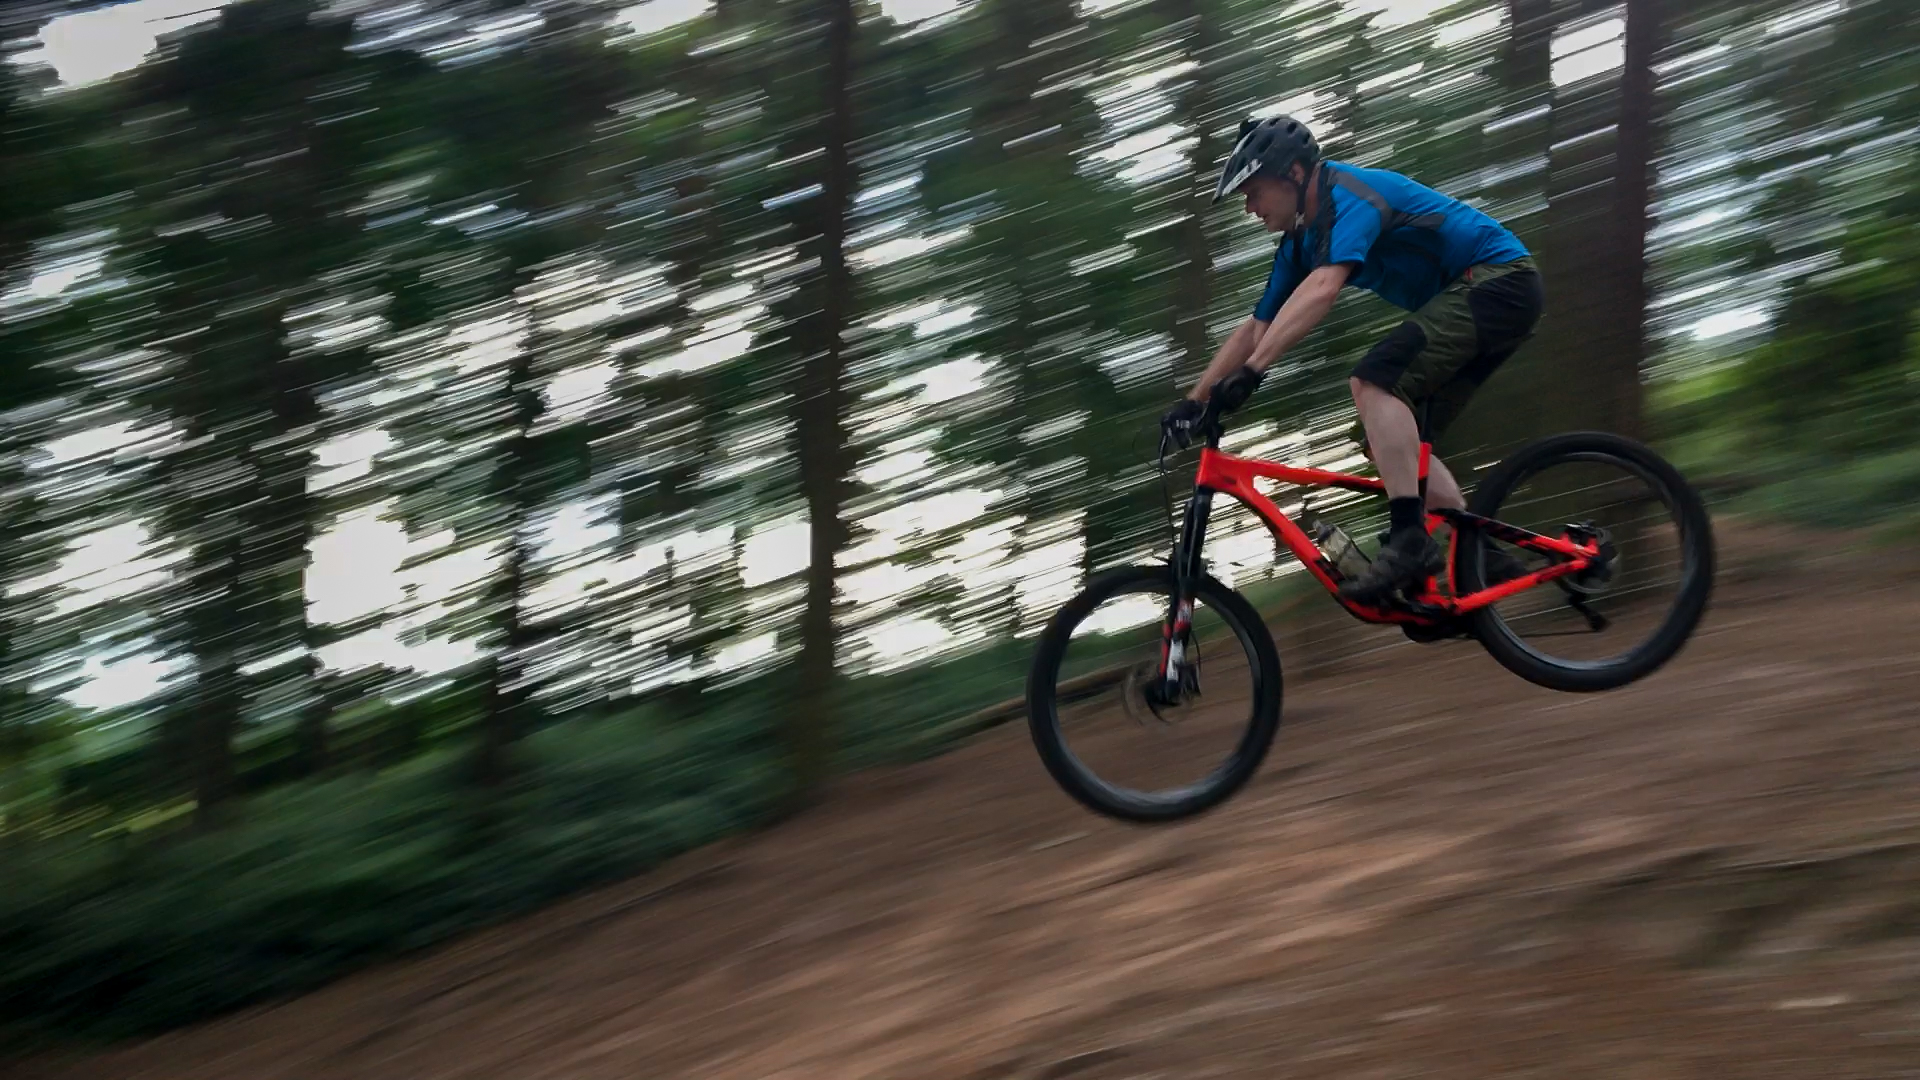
{"points": [[459, 451]]}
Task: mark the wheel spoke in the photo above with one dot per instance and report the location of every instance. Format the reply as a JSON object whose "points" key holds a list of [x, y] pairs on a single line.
{"points": [[1649, 591]]}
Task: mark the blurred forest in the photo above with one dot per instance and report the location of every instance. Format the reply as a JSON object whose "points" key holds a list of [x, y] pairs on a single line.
{"points": [[453, 452]]}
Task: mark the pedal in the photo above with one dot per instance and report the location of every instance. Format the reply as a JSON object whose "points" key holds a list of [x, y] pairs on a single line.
{"points": [[1436, 559], [1399, 600]]}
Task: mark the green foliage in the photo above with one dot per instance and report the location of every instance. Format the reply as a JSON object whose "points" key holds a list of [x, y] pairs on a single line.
{"points": [[148, 930], [1820, 422], [1839, 375], [905, 714], [324, 876], [1876, 490]]}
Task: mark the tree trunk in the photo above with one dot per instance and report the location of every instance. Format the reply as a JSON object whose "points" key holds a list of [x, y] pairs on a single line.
{"points": [[1496, 421], [287, 517], [825, 461], [1527, 61], [501, 720], [237, 519], [1193, 291], [215, 702], [1583, 368], [1633, 183], [311, 738], [1596, 282]]}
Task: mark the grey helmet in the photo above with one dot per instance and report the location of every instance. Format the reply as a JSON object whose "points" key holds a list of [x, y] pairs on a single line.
{"points": [[1273, 144]]}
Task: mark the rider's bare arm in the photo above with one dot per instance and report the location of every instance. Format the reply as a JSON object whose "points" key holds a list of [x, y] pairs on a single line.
{"points": [[1233, 352], [1300, 314]]}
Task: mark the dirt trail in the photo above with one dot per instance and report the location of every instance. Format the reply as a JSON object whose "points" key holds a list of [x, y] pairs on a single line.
{"points": [[1442, 871]]}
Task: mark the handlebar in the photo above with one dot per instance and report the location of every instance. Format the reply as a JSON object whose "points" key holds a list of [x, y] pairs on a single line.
{"points": [[1207, 427]]}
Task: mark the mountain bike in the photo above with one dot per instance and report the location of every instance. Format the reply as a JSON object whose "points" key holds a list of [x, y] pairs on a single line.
{"points": [[1567, 574]]}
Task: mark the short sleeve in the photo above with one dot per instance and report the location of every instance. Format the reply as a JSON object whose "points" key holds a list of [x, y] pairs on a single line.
{"points": [[1280, 285], [1356, 225]]}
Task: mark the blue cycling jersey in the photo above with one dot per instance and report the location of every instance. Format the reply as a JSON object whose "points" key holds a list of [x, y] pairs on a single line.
{"points": [[1406, 240]]}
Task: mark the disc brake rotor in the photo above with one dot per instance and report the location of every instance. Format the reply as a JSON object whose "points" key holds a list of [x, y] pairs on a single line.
{"points": [[1141, 690]]}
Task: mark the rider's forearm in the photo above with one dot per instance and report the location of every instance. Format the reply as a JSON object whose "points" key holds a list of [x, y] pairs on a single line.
{"points": [[1299, 315], [1233, 352]]}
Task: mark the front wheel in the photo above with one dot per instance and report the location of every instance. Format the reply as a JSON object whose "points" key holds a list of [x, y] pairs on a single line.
{"points": [[1105, 730], [1606, 627]]}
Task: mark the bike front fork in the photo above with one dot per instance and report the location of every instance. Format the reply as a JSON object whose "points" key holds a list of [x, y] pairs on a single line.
{"points": [[1177, 675]]}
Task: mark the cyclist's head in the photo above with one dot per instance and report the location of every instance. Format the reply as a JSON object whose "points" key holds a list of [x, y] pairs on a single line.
{"points": [[1270, 163]]}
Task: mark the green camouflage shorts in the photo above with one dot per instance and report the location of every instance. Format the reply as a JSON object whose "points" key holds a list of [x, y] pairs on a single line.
{"points": [[1440, 356]]}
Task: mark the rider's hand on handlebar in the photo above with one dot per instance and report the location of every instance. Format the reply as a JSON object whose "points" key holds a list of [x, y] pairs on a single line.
{"points": [[1189, 417], [1233, 391], [1184, 421]]}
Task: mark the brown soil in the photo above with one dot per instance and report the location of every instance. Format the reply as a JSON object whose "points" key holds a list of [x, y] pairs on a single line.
{"points": [[1441, 871]]}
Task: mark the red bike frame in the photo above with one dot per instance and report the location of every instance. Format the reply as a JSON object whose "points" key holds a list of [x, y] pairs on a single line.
{"points": [[1228, 474]]}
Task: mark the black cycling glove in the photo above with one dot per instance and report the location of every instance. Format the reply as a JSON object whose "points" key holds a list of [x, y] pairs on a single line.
{"points": [[1183, 420], [1233, 391]]}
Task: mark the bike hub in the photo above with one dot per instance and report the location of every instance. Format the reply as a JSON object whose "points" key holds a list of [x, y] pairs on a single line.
{"points": [[1600, 572]]}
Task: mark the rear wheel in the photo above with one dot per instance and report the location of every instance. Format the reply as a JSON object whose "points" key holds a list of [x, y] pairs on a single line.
{"points": [[1607, 627], [1092, 710]]}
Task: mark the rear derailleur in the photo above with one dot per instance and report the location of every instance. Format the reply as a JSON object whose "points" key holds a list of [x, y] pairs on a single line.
{"points": [[1598, 574]]}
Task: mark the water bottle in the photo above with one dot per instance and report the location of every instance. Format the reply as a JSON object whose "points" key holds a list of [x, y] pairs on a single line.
{"points": [[1340, 549]]}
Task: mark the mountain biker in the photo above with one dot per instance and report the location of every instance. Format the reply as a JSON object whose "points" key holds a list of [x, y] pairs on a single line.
{"points": [[1471, 285]]}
